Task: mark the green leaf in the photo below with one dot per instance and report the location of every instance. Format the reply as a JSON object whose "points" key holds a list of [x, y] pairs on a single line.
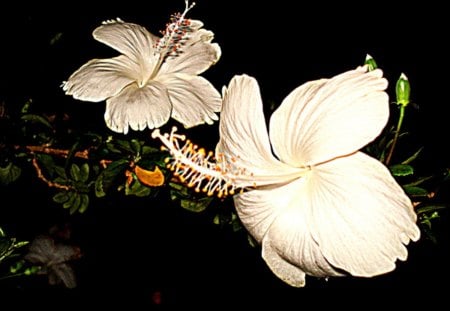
{"points": [[196, 206], [72, 196], [136, 146], [108, 176], [146, 150], [75, 204], [84, 203], [61, 172], [137, 189], [418, 181], [111, 147], [401, 170], [9, 174], [61, 197], [84, 172], [56, 38], [124, 145], [413, 157], [75, 172], [34, 118], [415, 191], [430, 208]]}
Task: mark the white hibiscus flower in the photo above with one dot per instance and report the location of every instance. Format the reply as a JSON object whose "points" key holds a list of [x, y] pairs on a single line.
{"points": [[154, 78], [318, 206]]}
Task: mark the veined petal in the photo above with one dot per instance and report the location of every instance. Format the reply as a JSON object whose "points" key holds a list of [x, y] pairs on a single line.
{"points": [[138, 108], [100, 79], [243, 134], [197, 54], [362, 218], [194, 99], [276, 217], [324, 119], [131, 40]]}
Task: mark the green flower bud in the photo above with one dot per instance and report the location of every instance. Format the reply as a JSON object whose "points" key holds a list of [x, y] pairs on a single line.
{"points": [[370, 62], [403, 90]]}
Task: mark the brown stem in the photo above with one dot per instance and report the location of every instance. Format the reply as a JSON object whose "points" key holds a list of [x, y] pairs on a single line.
{"points": [[57, 152], [48, 182]]}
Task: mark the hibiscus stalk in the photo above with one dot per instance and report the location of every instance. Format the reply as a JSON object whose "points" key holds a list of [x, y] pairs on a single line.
{"points": [[403, 92]]}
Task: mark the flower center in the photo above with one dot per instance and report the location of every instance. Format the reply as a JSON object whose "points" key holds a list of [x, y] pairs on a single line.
{"points": [[196, 168]]}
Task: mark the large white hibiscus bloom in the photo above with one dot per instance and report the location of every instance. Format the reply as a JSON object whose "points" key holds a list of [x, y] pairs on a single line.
{"points": [[154, 78], [318, 206]]}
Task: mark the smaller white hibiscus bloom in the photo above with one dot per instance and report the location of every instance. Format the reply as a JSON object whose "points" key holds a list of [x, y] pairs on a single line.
{"points": [[154, 78], [317, 205]]}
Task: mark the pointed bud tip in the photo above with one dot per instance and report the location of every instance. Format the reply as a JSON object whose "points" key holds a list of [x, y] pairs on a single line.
{"points": [[403, 77]]}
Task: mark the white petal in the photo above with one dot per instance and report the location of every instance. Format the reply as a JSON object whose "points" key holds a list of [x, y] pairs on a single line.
{"points": [[324, 119], [138, 108], [132, 40], [277, 217], [361, 216], [243, 134], [100, 79], [197, 55], [194, 99]]}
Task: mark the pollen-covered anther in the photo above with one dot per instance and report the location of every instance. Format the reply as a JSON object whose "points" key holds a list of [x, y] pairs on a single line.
{"points": [[175, 35]]}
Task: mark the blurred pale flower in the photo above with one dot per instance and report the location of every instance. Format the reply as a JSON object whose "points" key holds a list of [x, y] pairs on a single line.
{"points": [[319, 206], [154, 78], [54, 260]]}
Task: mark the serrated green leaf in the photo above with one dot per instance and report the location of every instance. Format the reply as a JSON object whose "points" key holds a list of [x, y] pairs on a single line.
{"points": [[84, 172], [216, 219], [72, 196], [9, 174], [76, 203], [137, 189], [401, 170], [61, 197], [99, 189], [84, 203], [75, 172], [37, 119], [196, 206], [415, 191]]}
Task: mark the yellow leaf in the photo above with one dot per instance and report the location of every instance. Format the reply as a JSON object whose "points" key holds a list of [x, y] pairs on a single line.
{"points": [[153, 178]]}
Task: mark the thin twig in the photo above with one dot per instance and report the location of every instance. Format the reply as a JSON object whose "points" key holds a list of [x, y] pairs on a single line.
{"points": [[48, 182], [57, 152]]}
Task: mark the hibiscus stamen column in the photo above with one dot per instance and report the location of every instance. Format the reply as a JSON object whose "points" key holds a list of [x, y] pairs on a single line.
{"points": [[174, 37], [196, 168]]}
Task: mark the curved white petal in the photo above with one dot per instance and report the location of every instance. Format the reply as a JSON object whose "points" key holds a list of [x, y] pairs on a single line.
{"points": [[194, 99], [243, 135], [362, 219], [100, 79], [131, 40], [138, 108], [276, 217], [197, 54], [324, 119]]}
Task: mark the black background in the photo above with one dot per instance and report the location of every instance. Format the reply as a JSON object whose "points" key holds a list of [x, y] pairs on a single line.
{"points": [[133, 247]]}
